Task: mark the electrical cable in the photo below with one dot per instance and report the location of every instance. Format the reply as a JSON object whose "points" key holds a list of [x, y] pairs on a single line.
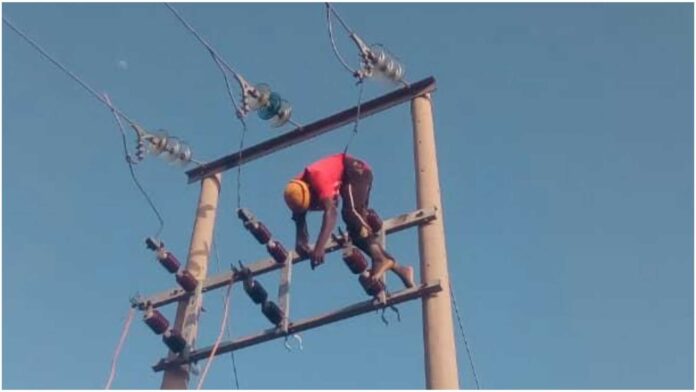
{"points": [[121, 341], [209, 362], [333, 42], [338, 17], [64, 69], [222, 64], [227, 327], [132, 172], [357, 118], [461, 329], [223, 67]]}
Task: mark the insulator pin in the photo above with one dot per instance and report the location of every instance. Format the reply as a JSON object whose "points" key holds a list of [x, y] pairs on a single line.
{"points": [[186, 280], [277, 251], [372, 287], [174, 340], [156, 321], [355, 260], [255, 291], [153, 243], [272, 312]]}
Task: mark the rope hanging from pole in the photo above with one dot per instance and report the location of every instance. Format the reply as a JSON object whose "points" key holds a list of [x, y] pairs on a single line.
{"points": [[201, 380], [121, 341]]}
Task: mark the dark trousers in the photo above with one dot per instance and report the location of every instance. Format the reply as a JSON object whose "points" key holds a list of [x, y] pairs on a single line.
{"points": [[355, 192]]}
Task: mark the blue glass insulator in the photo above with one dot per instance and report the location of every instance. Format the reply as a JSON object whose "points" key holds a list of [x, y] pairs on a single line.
{"points": [[271, 108]]}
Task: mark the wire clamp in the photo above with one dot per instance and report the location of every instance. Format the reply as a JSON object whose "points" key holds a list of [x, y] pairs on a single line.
{"points": [[295, 336]]}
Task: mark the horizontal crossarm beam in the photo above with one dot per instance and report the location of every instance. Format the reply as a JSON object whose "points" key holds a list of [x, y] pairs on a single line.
{"points": [[312, 130], [303, 325], [391, 226]]}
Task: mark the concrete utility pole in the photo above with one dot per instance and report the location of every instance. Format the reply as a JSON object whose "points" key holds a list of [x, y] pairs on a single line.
{"points": [[188, 310], [438, 330]]}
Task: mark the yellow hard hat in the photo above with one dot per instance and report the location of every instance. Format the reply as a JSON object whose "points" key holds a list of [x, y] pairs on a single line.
{"points": [[297, 195]]}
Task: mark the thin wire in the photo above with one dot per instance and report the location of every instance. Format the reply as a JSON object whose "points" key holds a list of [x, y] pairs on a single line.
{"points": [[121, 341], [466, 343], [239, 166], [333, 42], [219, 338], [345, 26], [224, 67], [227, 331], [64, 69], [132, 172], [357, 117], [222, 64]]}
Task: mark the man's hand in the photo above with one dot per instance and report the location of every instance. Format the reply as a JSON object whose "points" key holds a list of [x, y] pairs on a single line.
{"points": [[316, 257]]}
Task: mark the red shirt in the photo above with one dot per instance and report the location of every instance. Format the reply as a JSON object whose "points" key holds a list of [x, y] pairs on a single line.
{"points": [[324, 178]]}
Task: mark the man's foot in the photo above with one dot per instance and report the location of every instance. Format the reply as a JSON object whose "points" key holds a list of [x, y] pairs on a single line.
{"points": [[379, 268], [405, 273]]}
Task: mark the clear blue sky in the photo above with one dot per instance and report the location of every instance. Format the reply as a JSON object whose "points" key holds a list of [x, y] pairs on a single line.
{"points": [[565, 142]]}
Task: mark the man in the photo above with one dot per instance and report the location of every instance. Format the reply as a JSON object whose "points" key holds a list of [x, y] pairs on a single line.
{"points": [[317, 189]]}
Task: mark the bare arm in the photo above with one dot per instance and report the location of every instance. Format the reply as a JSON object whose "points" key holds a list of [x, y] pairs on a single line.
{"points": [[328, 223], [301, 234]]}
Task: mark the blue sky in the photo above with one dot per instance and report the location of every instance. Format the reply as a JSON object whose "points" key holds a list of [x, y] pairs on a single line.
{"points": [[565, 144]]}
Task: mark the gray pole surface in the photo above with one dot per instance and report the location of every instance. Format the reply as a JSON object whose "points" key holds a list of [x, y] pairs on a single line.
{"points": [[438, 329], [188, 310]]}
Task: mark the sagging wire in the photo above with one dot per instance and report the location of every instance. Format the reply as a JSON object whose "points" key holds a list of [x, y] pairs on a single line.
{"points": [[357, 117], [130, 160], [461, 329], [121, 341], [209, 362], [174, 149], [329, 26], [268, 104], [227, 326], [375, 60], [64, 69]]}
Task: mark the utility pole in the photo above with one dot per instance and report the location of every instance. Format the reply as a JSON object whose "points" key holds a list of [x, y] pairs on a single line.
{"points": [[188, 310], [438, 331]]}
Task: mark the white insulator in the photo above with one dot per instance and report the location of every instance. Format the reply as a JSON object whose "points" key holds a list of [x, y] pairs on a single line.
{"points": [[283, 115], [158, 143], [258, 96], [173, 149], [184, 155]]}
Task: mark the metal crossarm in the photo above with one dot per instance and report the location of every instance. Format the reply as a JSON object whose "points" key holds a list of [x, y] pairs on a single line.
{"points": [[314, 129], [391, 226], [303, 325]]}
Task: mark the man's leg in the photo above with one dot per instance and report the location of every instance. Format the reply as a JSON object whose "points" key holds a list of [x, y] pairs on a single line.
{"points": [[355, 193]]}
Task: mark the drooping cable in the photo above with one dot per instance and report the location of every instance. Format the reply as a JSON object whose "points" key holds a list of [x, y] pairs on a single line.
{"points": [[121, 341], [357, 117], [466, 343], [221, 63], [130, 167], [329, 26], [224, 68], [338, 17], [64, 69], [209, 362], [228, 335]]}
